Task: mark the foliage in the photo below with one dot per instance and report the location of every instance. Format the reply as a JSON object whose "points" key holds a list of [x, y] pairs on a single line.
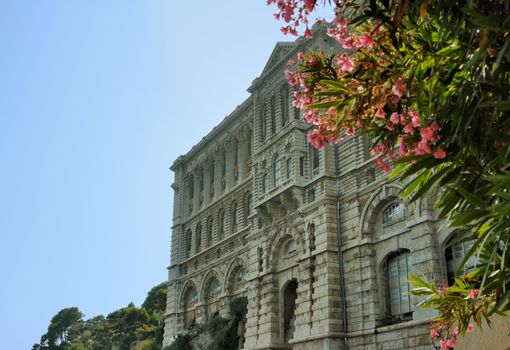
{"points": [[127, 328], [63, 329], [220, 333], [156, 299], [429, 81], [457, 303]]}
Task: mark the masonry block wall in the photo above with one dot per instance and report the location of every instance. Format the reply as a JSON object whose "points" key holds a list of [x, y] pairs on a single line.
{"points": [[318, 241]]}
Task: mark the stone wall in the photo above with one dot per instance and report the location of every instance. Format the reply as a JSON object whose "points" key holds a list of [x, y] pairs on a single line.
{"points": [[318, 242]]}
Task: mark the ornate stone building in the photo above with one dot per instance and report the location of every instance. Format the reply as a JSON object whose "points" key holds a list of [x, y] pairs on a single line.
{"points": [[317, 240]]}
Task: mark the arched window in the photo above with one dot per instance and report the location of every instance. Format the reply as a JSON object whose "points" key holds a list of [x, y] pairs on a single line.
{"points": [[399, 265], [454, 255], [289, 247], [277, 171], [208, 231], [213, 289], [199, 237], [237, 278], [289, 309], [189, 301], [393, 213]]}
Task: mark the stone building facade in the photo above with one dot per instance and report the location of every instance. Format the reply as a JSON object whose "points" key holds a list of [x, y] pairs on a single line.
{"points": [[318, 241]]}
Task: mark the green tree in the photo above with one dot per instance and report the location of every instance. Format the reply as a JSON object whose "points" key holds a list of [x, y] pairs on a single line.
{"points": [[64, 327], [156, 300]]}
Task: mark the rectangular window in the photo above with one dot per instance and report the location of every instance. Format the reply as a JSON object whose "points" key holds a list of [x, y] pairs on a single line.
{"points": [[289, 168], [315, 158], [301, 166], [399, 267], [277, 173]]}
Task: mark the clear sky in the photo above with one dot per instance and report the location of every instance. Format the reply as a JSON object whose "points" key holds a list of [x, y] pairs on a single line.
{"points": [[97, 98]]}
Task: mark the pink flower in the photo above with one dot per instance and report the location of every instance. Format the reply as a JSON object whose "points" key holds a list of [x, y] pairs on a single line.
{"points": [[394, 118], [380, 113], [473, 293], [308, 33], [408, 129], [427, 134], [310, 4], [316, 139], [470, 328], [434, 334], [403, 146], [290, 63], [340, 22], [450, 343], [366, 41], [456, 331], [422, 147], [345, 62], [415, 118], [300, 56], [439, 154], [399, 88]]}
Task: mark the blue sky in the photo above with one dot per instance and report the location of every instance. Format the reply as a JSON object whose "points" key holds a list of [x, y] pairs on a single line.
{"points": [[97, 98]]}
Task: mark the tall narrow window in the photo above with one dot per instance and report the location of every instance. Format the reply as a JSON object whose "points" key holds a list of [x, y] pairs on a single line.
{"points": [[221, 223], [289, 168], [399, 266], [315, 158], [188, 243], [247, 204], [277, 171], [250, 143], [234, 216], [273, 115], [191, 185], [224, 163], [454, 255], [263, 119], [211, 177], [201, 180], [237, 154], [301, 166], [285, 104], [263, 183], [208, 231], [199, 237]]}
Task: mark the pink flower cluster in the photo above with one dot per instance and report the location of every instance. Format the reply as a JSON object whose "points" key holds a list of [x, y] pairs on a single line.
{"points": [[340, 33], [294, 13], [449, 340], [381, 106]]}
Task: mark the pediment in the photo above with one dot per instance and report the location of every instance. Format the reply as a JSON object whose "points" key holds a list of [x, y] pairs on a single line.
{"points": [[280, 51]]}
